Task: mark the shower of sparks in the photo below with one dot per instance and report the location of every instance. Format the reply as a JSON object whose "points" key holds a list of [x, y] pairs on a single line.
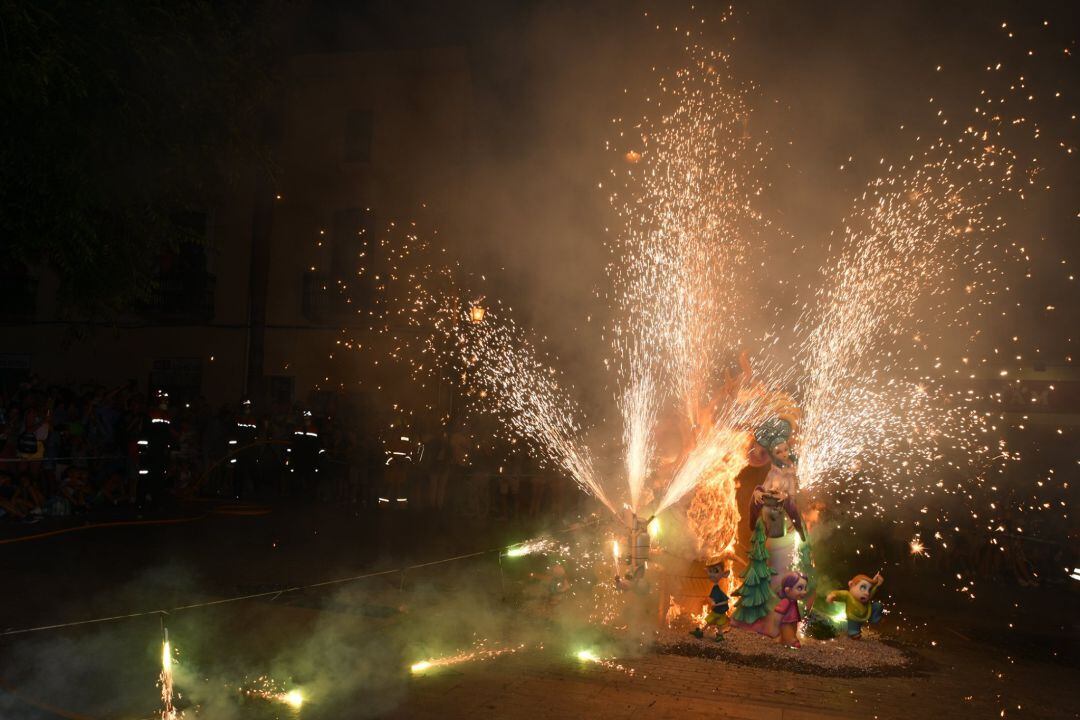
{"points": [[165, 680], [266, 688], [480, 651], [524, 390], [430, 323], [543, 545], [896, 421], [685, 208], [638, 407], [918, 260], [591, 657], [916, 547], [687, 227], [872, 407], [720, 449]]}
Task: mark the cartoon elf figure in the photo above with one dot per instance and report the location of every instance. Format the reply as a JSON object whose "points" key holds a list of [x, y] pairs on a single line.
{"points": [[717, 616], [857, 605]]}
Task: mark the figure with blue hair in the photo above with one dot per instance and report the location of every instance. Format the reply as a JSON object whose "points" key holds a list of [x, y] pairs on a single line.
{"points": [[775, 500]]}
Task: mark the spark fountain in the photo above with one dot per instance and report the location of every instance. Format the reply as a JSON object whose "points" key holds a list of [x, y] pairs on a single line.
{"points": [[867, 404], [498, 357], [165, 679], [684, 202], [866, 392]]}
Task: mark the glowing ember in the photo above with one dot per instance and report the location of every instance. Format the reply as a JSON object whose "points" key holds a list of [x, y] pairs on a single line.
{"points": [[587, 656], [293, 698]]}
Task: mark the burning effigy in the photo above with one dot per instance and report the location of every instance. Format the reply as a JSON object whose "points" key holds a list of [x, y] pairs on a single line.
{"points": [[707, 510]]}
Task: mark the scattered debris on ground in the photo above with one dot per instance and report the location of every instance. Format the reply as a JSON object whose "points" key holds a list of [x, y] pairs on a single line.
{"points": [[841, 657]]}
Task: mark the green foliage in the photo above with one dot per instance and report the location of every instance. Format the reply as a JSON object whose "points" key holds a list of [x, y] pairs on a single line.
{"points": [[755, 595], [821, 627], [118, 115]]}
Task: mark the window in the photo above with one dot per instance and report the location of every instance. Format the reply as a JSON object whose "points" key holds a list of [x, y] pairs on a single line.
{"points": [[353, 230], [185, 289], [316, 297], [358, 134]]}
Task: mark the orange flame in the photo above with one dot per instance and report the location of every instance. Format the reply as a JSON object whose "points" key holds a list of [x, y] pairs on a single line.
{"points": [[713, 515]]}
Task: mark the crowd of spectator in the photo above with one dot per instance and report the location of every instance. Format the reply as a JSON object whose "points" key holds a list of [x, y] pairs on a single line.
{"points": [[86, 449], [77, 449]]}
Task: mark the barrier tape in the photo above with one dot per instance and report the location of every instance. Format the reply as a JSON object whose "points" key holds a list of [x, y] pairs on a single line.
{"points": [[277, 592]]}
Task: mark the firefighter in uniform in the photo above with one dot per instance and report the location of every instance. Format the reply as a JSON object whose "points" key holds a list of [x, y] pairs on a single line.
{"points": [[304, 448], [155, 448], [245, 456]]}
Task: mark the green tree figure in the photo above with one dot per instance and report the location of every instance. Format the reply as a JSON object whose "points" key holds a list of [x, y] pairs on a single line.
{"points": [[818, 625], [755, 595]]}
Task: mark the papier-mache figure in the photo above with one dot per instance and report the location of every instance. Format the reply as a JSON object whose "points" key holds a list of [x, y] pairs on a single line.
{"points": [[792, 590], [857, 605], [775, 497], [774, 502], [717, 616]]}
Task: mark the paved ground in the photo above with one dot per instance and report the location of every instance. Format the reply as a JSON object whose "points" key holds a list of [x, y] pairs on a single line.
{"points": [[960, 681], [363, 639]]}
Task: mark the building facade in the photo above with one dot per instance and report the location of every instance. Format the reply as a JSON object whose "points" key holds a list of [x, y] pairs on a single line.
{"points": [[362, 138]]}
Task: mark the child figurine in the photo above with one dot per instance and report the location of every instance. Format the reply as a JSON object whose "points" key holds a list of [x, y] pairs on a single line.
{"points": [[717, 616], [857, 603], [792, 590]]}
